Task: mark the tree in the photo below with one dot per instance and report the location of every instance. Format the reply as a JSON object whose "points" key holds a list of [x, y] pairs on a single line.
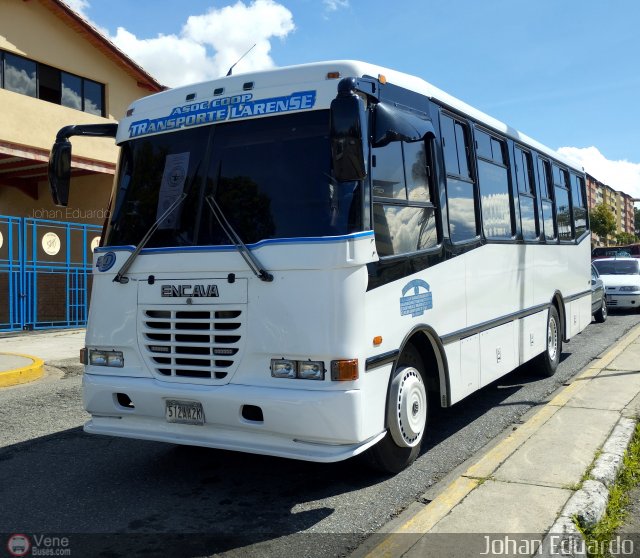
{"points": [[636, 220], [603, 221], [623, 238]]}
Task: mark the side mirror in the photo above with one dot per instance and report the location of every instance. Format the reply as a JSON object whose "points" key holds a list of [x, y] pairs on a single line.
{"points": [[392, 124], [347, 145], [60, 172]]}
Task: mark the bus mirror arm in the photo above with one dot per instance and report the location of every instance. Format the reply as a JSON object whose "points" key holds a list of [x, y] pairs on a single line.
{"points": [[60, 157]]}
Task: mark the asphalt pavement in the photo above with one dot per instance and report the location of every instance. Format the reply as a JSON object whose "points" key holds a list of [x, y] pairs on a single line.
{"points": [[519, 494]]}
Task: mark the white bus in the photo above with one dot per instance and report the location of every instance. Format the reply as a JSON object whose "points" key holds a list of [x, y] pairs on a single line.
{"points": [[298, 262]]}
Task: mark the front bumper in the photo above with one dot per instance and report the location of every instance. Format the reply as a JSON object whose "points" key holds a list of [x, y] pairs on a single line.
{"points": [[620, 300], [312, 425]]}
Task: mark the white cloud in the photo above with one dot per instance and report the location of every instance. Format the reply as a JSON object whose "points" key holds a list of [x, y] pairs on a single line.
{"points": [[210, 43], [207, 44], [334, 5], [620, 175]]}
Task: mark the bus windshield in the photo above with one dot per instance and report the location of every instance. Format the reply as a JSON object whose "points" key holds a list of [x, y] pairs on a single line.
{"points": [[271, 178]]}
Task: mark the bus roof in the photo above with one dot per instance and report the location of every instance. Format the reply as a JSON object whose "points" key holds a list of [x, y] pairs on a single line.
{"points": [[313, 75]]}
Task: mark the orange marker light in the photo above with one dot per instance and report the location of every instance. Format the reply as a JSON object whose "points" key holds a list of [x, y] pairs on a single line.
{"points": [[344, 370], [333, 75], [377, 340], [382, 78]]}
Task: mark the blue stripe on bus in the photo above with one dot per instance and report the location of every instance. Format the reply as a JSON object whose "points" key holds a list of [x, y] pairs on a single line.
{"points": [[230, 248]]}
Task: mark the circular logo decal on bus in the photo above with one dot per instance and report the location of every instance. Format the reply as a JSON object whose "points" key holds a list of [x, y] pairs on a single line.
{"points": [[51, 243], [18, 545], [106, 261], [95, 243], [1, 239]]}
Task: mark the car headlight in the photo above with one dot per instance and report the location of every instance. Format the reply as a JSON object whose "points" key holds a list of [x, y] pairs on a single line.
{"points": [[628, 289], [114, 359]]}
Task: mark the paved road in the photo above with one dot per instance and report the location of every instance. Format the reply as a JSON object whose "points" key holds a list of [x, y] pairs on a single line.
{"points": [[171, 500]]}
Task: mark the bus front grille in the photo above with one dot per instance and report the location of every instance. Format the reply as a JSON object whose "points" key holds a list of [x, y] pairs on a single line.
{"points": [[199, 344]]}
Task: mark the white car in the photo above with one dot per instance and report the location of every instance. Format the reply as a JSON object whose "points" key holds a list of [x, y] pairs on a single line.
{"points": [[621, 278]]}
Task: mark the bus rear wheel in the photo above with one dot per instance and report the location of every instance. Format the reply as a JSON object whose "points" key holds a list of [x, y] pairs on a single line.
{"points": [[547, 363], [407, 412]]}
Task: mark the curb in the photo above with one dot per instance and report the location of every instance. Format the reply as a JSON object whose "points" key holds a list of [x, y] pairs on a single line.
{"points": [[23, 374], [589, 503], [594, 493]]}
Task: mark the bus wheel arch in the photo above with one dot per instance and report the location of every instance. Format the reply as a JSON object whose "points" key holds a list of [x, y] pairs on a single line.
{"points": [[418, 373]]}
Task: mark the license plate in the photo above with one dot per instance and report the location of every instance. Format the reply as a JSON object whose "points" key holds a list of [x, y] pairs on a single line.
{"points": [[184, 412]]}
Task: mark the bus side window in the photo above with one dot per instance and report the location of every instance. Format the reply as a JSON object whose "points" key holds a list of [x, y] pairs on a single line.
{"points": [[563, 209], [526, 195], [461, 202], [493, 182], [578, 198], [404, 219], [546, 198]]}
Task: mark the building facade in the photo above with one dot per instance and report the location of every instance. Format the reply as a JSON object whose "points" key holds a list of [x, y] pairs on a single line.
{"points": [[55, 70], [620, 204]]}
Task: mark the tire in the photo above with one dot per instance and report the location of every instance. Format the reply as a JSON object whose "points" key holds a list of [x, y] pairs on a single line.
{"points": [[601, 315], [547, 362], [407, 416]]}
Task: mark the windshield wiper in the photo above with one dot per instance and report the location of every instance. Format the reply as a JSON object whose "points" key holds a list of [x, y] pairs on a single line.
{"points": [[232, 235], [120, 278]]}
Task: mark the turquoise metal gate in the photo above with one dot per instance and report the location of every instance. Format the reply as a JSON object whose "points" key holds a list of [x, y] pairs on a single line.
{"points": [[45, 273]]}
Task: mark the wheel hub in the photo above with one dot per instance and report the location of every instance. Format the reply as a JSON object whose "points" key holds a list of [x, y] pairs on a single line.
{"points": [[408, 408]]}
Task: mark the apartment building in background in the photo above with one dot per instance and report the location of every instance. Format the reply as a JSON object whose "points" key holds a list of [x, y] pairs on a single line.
{"points": [[620, 203]]}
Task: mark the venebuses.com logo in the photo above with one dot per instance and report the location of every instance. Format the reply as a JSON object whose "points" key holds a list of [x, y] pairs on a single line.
{"points": [[18, 545]]}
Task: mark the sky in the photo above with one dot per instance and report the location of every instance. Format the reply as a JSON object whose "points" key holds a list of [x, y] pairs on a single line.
{"points": [[564, 72]]}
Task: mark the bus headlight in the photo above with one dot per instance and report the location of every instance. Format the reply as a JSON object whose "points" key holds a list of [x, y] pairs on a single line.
{"points": [[300, 369], [311, 370], [114, 359], [283, 368]]}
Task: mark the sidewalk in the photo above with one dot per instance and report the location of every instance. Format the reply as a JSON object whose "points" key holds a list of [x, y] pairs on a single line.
{"points": [[519, 497], [24, 355]]}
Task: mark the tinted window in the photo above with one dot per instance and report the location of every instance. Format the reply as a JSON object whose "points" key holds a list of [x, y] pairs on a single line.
{"points": [[460, 188], [20, 75], [403, 229], [407, 222], [462, 215], [49, 84], [71, 91], [618, 267], [455, 146], [270, 176], [547, 217], [493, 182], [578, 196], [93, 97], [388, 172], [563, 214], [415, 164]]}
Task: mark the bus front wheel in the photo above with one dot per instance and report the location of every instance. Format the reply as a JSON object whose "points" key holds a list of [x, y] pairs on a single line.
{"points": [[407, 411]]}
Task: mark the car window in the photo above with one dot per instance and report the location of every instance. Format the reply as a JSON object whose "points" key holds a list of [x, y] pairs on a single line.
{"points": [[617, 267]]}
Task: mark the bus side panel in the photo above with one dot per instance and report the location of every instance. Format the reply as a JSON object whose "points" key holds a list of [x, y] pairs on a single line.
{"points": [[532, 335], [498, 352]]}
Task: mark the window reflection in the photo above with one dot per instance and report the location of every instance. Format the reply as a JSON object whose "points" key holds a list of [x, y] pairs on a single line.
{"points": [[20, 75], [401, 229]]}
